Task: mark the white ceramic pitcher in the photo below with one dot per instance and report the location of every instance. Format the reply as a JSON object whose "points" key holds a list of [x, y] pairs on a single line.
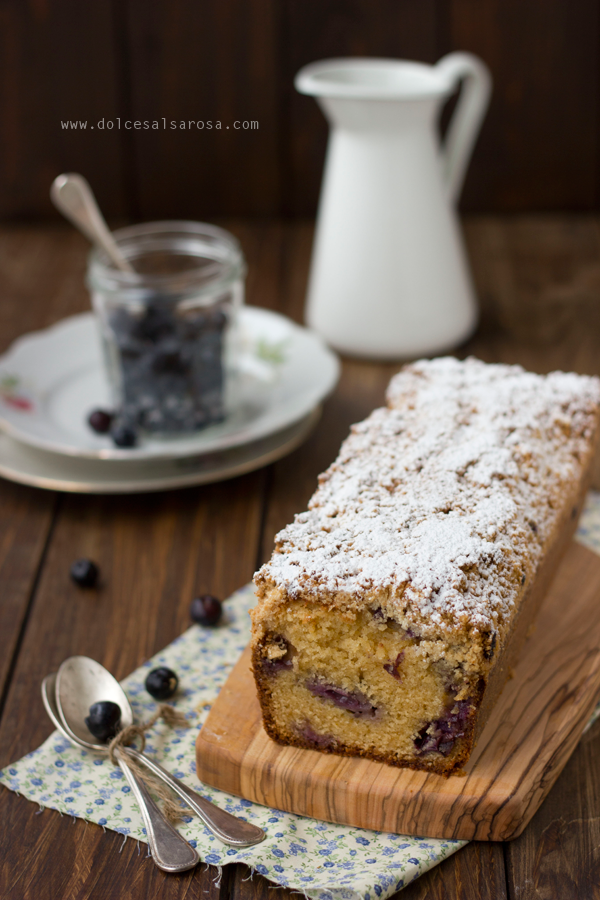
{"points": [[389, 277]]}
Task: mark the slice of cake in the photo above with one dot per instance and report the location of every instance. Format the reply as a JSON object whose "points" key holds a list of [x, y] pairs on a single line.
{"points": [[392, 609]]}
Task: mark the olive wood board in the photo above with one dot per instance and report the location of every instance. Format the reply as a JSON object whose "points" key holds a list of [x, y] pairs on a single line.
{"points": [[532, 730]]}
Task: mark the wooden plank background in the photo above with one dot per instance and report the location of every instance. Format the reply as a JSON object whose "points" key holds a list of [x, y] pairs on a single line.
{"points": [[63, 60]]}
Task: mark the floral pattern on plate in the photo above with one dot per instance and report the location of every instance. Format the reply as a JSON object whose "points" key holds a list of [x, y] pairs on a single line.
{"points": [[14, 395]]}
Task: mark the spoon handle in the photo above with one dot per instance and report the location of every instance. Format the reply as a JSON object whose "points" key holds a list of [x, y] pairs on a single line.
{"points": [[224, 825], [73, 196], [170, 851]]}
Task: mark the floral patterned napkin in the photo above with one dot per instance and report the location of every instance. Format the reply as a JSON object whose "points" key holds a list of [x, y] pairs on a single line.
{"points": [[323, 861]]}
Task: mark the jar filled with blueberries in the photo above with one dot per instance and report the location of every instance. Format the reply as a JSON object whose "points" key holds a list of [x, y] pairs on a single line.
{"points": [[168, 326]]}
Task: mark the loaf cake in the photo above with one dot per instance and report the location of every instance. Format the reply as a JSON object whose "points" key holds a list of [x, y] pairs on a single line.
{"points": [[392, 609]]}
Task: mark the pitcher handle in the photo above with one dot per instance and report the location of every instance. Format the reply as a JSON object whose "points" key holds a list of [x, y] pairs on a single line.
{"points": [[468, 115]]}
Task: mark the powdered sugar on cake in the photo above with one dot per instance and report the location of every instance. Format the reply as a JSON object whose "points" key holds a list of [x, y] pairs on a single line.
{"points": [[444, 501]]}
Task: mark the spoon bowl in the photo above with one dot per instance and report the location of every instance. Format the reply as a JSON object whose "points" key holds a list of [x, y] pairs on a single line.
{"points": [[80, 682]]}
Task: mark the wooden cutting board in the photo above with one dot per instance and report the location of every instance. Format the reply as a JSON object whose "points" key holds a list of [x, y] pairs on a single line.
{"points": [[529, 737]]}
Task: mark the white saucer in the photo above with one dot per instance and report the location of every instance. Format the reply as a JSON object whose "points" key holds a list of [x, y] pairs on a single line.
{"points": [[51, 380], [38, 468]]}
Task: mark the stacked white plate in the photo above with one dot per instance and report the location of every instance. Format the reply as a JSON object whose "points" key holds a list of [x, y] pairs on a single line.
{"points": [[51, 380]]}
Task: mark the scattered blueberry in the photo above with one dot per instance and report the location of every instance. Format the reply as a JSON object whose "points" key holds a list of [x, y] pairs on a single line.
{"points": [[84, 572], [104, 720], [100, 420], [123, 435], [161, 683], [206, 610]]}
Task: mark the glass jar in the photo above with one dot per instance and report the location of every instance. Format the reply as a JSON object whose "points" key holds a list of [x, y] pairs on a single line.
{"points": [[168, 327]]}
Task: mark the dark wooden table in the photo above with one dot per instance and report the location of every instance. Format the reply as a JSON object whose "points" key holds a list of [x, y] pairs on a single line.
{"points": [[538, 280]]}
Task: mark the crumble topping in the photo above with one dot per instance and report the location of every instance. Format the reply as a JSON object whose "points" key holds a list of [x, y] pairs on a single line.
{"points": [[446, 498]]}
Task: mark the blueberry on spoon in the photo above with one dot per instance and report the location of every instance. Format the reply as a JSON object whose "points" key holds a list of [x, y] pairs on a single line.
{"points": [[104, 720]]}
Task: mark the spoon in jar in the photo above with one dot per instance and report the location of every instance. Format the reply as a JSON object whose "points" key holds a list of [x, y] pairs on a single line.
{"points": [[80, 683], [73, 197]]}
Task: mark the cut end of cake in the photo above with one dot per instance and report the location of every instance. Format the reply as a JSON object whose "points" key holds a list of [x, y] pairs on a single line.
{"points": [[359, 683]]}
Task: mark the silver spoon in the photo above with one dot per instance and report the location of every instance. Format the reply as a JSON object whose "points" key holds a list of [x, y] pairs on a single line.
{"points": [[170, 851], [82, 681], [72, 195]]}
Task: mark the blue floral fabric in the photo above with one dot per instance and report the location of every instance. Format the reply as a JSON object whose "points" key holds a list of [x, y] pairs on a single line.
{"points": [[321, 860]]}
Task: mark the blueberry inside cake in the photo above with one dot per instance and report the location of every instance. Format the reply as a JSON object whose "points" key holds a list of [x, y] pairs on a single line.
{"points": [[392, 609]]}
